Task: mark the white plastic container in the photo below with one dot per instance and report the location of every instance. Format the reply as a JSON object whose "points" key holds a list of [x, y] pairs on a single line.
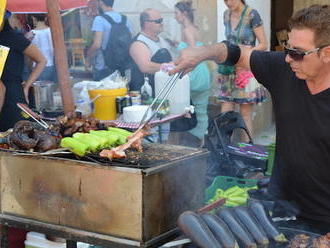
{"points": [[179, 97], [38, 240], [135, 113]]}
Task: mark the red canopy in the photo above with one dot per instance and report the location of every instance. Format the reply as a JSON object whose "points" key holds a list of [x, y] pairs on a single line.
{"points": [[39, 6]]}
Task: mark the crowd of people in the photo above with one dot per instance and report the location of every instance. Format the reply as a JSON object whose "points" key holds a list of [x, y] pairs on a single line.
{"points": [[148, 53]]}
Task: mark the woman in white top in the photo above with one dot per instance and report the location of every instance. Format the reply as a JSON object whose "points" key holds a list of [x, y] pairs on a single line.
{"points": [[43, 40]]}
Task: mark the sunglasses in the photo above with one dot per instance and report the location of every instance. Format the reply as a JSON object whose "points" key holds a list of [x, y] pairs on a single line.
{"points": [[158, 21], [298, 55]]}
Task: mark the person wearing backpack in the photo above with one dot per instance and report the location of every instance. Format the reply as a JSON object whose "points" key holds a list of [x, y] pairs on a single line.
{"points": [[112, 38]]}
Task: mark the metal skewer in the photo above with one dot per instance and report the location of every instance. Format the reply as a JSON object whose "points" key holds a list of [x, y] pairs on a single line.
{"points": [[169, 85], [30, 112], [40, 122], [43, 122]]}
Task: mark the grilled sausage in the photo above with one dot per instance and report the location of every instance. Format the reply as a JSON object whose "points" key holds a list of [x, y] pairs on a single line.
{"points": [[197, 231], [220, 230]]}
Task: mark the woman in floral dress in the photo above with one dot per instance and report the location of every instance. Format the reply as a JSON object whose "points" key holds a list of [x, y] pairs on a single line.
{"points": [[243, 26]]}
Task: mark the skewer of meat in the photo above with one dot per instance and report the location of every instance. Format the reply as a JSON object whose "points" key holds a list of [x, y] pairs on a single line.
{"points": [[136, 138], [134, 141]]}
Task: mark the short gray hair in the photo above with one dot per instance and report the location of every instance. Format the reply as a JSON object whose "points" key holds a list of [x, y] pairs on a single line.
{"points": [[316, 18]]}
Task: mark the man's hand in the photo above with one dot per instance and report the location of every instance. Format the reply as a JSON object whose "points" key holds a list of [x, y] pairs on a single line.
{"points": [[189, 59], [167, 67]]}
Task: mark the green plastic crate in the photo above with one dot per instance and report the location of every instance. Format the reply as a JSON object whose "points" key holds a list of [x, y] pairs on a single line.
{"points": [[224, 183]]}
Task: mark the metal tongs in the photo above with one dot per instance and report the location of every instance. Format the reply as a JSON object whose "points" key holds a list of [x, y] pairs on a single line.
{"points": [[33, 115], [162, 96]]}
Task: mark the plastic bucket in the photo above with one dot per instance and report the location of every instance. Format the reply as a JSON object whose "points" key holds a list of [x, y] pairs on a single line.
{"points": [[105, 104]]}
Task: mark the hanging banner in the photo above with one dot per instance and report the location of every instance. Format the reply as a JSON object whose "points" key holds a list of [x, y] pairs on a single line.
{"points": [[39, 6]]}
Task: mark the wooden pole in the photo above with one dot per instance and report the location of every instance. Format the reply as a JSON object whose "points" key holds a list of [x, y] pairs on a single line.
{"points": [[61, 61]]}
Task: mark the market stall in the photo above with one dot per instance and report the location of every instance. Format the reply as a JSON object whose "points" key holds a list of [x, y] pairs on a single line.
{"points": [[118, 204]]}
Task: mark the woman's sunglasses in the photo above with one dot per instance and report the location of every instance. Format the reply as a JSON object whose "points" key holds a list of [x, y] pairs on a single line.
{"points": [[158, 21], [298, 55]]}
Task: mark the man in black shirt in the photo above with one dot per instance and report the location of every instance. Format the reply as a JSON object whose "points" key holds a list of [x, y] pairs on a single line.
{"points": [[299, 82]]}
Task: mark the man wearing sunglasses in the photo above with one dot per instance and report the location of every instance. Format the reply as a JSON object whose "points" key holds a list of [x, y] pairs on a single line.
{"points": [[148, 50], [299, 82]]}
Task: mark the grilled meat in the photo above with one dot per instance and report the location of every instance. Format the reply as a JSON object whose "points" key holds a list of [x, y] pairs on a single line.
{"points": [[73, 122], [304, 241], [27, 135], [23, 136], [134, 141], [112, 153], [322, 242], [46, 141], [300, 241]]}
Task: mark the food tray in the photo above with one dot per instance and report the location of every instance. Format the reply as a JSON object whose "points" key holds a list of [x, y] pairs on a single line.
{"points": [[224, 182]]}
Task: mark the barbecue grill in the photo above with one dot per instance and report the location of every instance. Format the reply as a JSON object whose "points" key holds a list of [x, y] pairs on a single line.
{"points": [[136, 200]]}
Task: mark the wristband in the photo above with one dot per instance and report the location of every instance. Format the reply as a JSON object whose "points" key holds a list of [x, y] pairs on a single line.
{"points": [[233, 53]]}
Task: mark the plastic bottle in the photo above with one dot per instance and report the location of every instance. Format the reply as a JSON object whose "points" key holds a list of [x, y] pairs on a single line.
{"points": [[179, 97], [146, 91]]}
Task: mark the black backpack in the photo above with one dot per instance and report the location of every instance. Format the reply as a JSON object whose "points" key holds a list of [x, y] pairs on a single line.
{"points": [[116, 54]]}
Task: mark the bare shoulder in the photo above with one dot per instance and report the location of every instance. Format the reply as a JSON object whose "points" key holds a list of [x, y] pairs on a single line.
{"points": [[191, 33], [138, 47], [190, 30]]}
